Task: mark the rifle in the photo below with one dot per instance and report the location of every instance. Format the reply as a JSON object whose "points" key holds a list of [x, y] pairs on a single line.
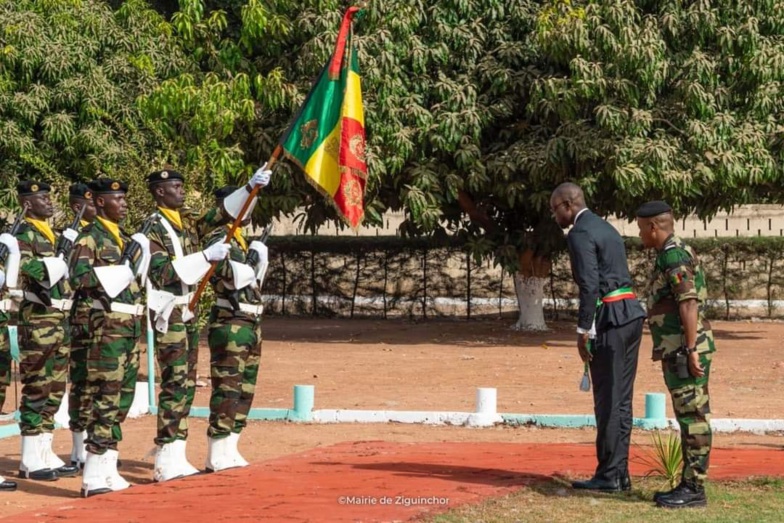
{"points": [[13, 230], [64, 245], [253, 257], [132, 248]]}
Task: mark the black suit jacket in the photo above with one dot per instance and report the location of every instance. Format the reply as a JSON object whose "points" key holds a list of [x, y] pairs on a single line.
{"points": [[599, 266]]}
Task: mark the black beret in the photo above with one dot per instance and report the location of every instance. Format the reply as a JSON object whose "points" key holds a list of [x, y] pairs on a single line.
{"points": [[80, 190], [108, 186], [30, 187], [163, 176], [224, 191], [654, 208]]}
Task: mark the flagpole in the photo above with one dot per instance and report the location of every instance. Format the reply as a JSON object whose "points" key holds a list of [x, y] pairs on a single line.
{"points": [[234, 226]]}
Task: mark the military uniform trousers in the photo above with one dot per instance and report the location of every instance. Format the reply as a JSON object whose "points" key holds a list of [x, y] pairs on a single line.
{"points": [[43, 366], [235, 355], [177, 352], [112, 368], [5, 359], [691, 405], [79, 396]]}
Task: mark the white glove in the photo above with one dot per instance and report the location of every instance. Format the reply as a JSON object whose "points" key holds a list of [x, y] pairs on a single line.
{"points": [[261, 249], [261, 177], [2, 278], [10, 242], [70, 234], [216, 251], [143, 242]]}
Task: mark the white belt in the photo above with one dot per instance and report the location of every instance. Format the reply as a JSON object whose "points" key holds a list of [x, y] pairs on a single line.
{"points": [[125, 308], [183, 300], [247, 308], [60, 305]]}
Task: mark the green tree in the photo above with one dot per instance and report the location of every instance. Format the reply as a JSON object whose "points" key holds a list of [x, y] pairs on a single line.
{"points": [[70, 72]]}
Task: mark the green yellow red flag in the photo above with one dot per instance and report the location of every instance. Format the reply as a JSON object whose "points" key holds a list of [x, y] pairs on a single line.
{"points": [[327, 138]]}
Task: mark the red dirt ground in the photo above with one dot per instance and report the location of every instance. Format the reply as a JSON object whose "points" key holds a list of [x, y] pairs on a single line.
{"points": [[366, 481], [434, 365]]}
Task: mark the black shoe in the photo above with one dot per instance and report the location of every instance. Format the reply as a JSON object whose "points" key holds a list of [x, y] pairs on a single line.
{"points": [[40, 475], [601, 485], [684, 495], [626, 483], [67, 471], [7, 486]]}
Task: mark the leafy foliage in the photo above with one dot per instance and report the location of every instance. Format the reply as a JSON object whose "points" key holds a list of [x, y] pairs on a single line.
{"points": [[70, 72], [664, 458]]}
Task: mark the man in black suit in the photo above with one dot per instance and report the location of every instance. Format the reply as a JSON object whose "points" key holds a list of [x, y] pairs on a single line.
{"points": [[609, 308]]}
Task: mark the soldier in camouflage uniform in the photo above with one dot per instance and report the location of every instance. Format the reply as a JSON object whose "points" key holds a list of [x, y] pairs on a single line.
{"points": [[235, 342], [43, 335], [683, 342], [79, 397], [7, 280], [100, 272], [176, 267]]}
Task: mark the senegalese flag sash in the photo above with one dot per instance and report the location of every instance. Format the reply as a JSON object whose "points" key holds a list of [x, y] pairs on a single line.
{"points": [[327, 138]]}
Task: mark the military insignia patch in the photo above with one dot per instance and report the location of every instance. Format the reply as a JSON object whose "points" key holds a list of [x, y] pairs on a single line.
{"points": [[164, 175], [115, 186], [34, 188], [88, 195]]}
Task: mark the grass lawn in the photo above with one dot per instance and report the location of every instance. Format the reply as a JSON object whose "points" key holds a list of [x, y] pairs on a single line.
{"points": [[757, 500]]}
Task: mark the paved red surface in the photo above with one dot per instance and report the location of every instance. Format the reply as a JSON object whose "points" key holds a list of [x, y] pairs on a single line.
{"points": [[367, 481]]}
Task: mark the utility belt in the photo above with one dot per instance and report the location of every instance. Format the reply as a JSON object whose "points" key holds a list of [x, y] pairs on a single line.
{"points": [[679, 361], [248, 308], [162, 304], [123, 308], [58, 305]]}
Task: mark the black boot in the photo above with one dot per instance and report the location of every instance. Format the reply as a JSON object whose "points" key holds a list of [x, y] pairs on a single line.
{"points": [[67, 471], [687, 494], [7, 486], [661, 493]]}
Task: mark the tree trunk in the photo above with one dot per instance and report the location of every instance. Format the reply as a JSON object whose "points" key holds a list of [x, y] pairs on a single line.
{"points": [[529, 288]]}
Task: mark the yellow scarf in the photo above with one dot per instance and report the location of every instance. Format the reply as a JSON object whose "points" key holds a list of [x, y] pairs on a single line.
{"points": [[173, 216], [84, 223], [113, 229], [43, 228], [240, 239]]}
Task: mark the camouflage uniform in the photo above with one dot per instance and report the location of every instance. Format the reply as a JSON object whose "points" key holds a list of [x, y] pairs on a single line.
{"points": [[43, 337], [79, 396], [235, 348], [678, 276], [177, 349], [5, 358], [113, 355]]}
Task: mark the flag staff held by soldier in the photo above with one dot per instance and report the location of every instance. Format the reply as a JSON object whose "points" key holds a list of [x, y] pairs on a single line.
{"points": [[43, 334], [177, 265], [109, 268], [80, 200], [683, 342]]}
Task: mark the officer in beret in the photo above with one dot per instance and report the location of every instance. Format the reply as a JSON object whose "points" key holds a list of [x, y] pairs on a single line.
{"points": [[176, 267], [43, 334], [609, 330], [235, 341], [110, 274], [80, 199], [683, 342]]}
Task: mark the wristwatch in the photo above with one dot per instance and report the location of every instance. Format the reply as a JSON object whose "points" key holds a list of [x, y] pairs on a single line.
{"points": [[688, 350]]}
